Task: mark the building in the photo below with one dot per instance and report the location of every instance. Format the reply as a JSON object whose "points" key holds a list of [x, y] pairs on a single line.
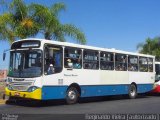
{"points": [[3, 74]]}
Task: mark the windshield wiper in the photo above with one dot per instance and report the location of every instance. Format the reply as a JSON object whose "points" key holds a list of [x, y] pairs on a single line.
{"points": [[20, 70]]}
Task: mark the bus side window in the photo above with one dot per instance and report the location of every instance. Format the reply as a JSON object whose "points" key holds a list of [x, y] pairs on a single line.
{"points": [[143, 64], [106, 61], [73, 58], [150, 64], [120, 62], [132, 63], [90, 59]]}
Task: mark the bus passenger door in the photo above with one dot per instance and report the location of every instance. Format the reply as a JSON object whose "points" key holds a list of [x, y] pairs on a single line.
{"points": [[53, 65]]}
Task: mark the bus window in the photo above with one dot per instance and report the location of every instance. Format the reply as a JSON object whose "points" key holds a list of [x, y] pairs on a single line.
{"points": [[143, 64], [106, 61], [53, 59], [132, 63], [90, 59], [120, 62], [73, 58], [150, 64]]}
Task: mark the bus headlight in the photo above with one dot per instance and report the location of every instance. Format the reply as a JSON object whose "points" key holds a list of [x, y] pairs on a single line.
{"points": [[32, 88], [9, 80], [9, 87]]}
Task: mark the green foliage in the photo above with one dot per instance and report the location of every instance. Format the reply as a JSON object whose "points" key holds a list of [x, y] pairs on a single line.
{"points": [[74, 32], [21, 21], [7, 27], [17, 23], [151, 46], [51, 26]]}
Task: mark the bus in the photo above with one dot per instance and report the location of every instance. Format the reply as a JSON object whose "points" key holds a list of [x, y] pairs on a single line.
{"points": [[156, 88], [42, 69]]}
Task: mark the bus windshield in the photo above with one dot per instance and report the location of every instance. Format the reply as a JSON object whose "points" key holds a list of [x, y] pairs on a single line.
{"points": [[25, 63], [157, 69]]}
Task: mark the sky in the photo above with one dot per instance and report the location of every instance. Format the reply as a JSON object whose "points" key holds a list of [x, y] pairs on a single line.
{"points": [[119, 24]]}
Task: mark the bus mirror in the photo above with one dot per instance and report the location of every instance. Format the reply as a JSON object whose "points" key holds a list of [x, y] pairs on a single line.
{"points": [[4, 56]]}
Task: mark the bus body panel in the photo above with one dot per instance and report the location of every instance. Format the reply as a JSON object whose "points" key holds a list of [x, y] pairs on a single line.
{"points": [[81, 76], [53, 92], [114, 77], [110, 83], [141, 77], [59, 92]]}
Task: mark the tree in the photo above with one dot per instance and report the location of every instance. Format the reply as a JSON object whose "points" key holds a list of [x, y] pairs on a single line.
{"points": [[51, 26], [17, 23], [151, 46], [25, 26], [21, 21]]}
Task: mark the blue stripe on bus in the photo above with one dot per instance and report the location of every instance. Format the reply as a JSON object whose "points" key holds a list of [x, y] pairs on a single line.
{"points": [[88, 91], [59, 92], [142, 88], [53, 92]]}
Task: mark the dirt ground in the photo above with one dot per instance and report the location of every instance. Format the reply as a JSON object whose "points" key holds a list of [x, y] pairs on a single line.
{"points": [[2, 88]]}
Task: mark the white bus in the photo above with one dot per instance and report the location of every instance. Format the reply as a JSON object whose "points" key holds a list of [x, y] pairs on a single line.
{"points": [[156, 88], [44, 70]]}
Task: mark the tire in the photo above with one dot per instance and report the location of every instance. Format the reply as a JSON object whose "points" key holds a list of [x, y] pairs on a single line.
{"points": [[11, 100], [132, 91], [72, 95]]}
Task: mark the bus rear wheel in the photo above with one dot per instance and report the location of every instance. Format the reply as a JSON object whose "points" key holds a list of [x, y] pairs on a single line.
{"points": [[72, 95], [132, 91]]}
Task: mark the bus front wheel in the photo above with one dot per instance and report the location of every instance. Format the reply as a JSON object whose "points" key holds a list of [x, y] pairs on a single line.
{"points": [[132, 91], [72, 95]]}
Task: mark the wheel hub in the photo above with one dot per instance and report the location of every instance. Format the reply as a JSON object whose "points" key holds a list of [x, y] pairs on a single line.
{"points": [[72, 95], [132, 92]]}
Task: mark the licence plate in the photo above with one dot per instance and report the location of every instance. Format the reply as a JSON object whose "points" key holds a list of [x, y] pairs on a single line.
{"points": [[17, 94]]}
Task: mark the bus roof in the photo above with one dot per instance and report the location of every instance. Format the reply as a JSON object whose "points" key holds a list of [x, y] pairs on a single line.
{"points": [[86, 47]]}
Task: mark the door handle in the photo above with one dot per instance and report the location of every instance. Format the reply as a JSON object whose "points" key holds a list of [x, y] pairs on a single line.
{"points": [[69, 69]]}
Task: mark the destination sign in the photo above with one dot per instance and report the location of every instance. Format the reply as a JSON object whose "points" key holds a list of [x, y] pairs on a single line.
{"points": [[30, 44], [26, 44]]}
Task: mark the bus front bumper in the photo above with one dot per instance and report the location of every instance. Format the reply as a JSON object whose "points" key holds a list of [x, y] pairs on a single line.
{"points": [[37, 94]]}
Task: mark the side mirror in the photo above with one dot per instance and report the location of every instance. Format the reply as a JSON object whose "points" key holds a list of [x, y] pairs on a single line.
{"points": [[4, 56]]}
